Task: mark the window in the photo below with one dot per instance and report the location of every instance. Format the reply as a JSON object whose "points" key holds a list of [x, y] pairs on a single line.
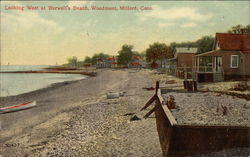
{"points": [[217, 45], [234, 61]]}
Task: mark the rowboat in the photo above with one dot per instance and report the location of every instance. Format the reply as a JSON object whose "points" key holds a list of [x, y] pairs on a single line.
{"points": [[112, 95], [18, 107]]}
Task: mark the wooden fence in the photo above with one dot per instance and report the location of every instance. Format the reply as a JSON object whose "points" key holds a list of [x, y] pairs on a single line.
{"points": [[187, 140]]}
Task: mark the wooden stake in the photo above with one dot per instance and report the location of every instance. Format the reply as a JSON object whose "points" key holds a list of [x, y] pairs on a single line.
{"points": [[150, 112], [151, 100]]}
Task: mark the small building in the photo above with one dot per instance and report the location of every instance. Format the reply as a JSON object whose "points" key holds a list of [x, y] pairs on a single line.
{"points": [[183, 61], [111, 62], [106, 62], [154, 65], [87, 65], [229, 59], [135, 62], [100, 63]]}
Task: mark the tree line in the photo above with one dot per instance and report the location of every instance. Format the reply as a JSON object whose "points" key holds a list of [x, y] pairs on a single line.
{"points": [[156, 51]]}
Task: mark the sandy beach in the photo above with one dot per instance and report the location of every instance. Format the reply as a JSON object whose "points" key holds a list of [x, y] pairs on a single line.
{"points": [[76, 119]]}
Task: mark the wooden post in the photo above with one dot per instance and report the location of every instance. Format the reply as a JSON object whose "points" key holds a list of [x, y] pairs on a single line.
{"points": [[185, 84], [195, 86], [157, 87], [189, 86]]}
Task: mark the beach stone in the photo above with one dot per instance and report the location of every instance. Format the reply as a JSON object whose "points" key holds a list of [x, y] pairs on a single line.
{"points": [[205, 108], [247, 106]]}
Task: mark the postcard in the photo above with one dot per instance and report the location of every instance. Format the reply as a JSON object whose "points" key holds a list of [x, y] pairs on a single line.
{"points": [[125, 78]]}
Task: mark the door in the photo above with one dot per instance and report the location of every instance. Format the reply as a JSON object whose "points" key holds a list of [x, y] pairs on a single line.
{"points": [[242, 66], [217, 64]]}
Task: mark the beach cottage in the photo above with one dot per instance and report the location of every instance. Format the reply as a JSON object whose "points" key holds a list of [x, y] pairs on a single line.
{"points": [[111, 62], [135, 62], [229, 59], [183, 61], [106, 62]]}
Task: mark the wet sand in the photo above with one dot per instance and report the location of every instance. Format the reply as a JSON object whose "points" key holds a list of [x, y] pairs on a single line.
{"points": [[76, 119]]}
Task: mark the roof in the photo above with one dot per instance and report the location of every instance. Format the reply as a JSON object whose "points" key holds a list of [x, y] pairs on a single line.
{"points": [[246, 52], [135, 63], [227, 41], [209, 53], [136, 57], [99, 60], [111, 58], [186, 50], [220, 52]]}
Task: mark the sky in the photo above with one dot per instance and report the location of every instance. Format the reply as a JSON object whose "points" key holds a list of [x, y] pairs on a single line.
{"points": [[47, 37]]}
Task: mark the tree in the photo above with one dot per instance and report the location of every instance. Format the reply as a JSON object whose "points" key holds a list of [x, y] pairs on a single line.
{"points": [[143, 55], [239, 28], [98, 56], [205, 44], [87, 59], [158, 51], [125, 54], [80, 63], [72, 61]]}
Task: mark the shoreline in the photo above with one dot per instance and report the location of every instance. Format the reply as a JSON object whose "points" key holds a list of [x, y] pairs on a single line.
{"points": [[39, 90], [44, 88], [67, 113]]}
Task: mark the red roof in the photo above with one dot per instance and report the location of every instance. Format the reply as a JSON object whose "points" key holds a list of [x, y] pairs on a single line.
{"points": [[111, 58], [99, 60], [136, 57], [228, 41], [135, 63], [246, 52]]}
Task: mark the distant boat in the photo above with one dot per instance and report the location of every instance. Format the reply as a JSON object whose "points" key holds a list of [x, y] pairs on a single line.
{"points": [[18, 107], [8, 63]]}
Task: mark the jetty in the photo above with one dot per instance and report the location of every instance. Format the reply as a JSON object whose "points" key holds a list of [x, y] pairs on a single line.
{"points": [[57, 70]]}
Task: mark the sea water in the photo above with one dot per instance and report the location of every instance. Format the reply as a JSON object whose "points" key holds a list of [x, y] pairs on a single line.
{"points": [[19, 83]]}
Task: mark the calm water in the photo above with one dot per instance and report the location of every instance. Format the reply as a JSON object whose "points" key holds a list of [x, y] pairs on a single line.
{"points": [[14, 84]]}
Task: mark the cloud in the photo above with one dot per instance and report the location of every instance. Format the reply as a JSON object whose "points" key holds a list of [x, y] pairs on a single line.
{"points": [[211, 23], [178, 13], [187, 25], [28, 20], [11, 3], [78, 3], [161, 24], [90, 23]]}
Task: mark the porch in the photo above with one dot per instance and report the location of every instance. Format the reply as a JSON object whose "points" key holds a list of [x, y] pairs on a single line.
{"points": [[208, 69]]}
